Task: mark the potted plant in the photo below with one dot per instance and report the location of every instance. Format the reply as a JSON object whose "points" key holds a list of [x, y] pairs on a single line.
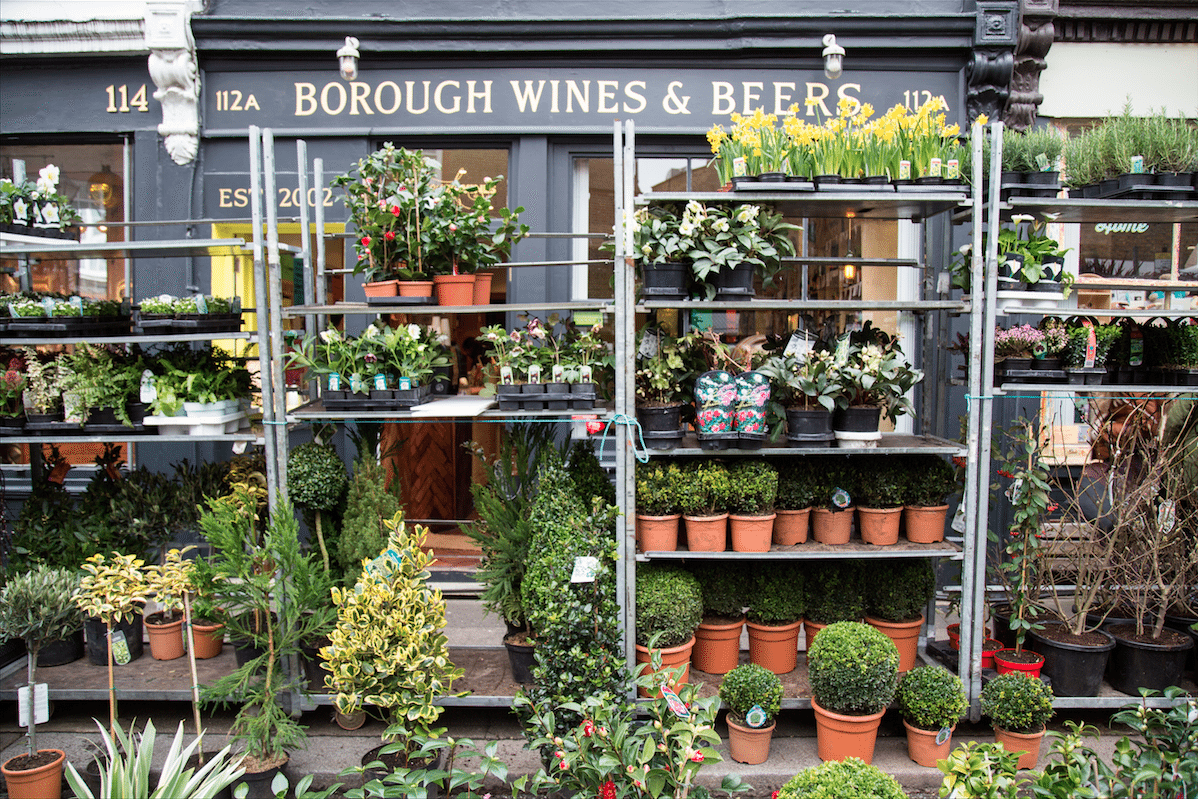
{"points": [[874, 378], [369, 502], [854, 672], [932, 701], [881, 484], [896, 594], [807, 389], [664, 366], [97, 387], [316, 481], [753, 695], [717, 638], [658, 508], [662, 253], [167, 582], [12, 385], [43, 394], [704, 500], [728, 245], [775, 601], [931, 480], [1019, 707], [37, 606], [753, 488], [832, 505], [833, 592], [850, 778], [669, 606], [796, 494]]}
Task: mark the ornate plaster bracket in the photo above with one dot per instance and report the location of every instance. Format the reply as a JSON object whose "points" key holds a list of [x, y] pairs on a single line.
{"points": [[1036, 34], [988, 73], [175, 74]]}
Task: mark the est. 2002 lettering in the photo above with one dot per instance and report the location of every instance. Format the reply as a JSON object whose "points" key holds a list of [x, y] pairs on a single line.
{"points": [[288, 198]]}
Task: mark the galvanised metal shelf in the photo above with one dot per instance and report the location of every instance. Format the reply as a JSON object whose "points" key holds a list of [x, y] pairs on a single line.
{"points": [[605, 306], [1068, 388], [1077, 210], [832, 306], [127, 339], [891, 444], [130, 249], [915, 205], [139, 438], [855, 549]]}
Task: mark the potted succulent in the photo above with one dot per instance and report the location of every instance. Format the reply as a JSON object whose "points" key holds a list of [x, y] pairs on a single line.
{"points": [[704, 499], [37, 606], [776, 603], [753, 695], [854, 673], [930, 482], [669, 606], [753, 488], [832, 506], [881, 484], [316, 482], [833, 593], [717, 638], [932, 701], [850, 778], [896, 593], [658, 508], [796, 494], [1019, 707]]}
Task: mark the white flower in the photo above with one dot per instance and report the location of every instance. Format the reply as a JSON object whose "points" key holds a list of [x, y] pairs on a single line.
{"points": [[720, 225], [330, 336], [686, 228], [966, 249], [370, 332], [414, 331], [747, 213], [48, 173], [694, 207], [647, 249], [1017, 218], [443, 340], [44, 185]]}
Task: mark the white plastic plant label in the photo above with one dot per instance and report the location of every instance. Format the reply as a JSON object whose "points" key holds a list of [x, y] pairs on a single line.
{"points": [[934, 167], [380, 382], [649, 344], [534, 373], [1166, 515], [148, 392], [585, 569], [904, 170], [77, 303], [958, 523], [943, 735], [1137, 164], [355, 383], [505, 375], [739, 167], [1042, 162], [755, 718], [798, 346], [952, 169], [40, 703], [559, 373], [201, 303], [586, 374]]}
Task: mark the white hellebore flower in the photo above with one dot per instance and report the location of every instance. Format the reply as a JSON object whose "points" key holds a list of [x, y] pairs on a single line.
{"points": [[720, 225], [48, 173], [686, 228], [695, 207], [1017, 218], [330, 336], [414, 331], [371, 331], [45, 186]]}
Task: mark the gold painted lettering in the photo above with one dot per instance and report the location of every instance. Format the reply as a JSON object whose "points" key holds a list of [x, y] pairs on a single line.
{"points": [[782, 101], [485, 94], [607, 91], [359, 93], [226, 198], [722, 102], [305, 99], [751, 96], [553, 108], [409, 85], [817, 92], [843, 94], [527, 97], [457, 100], [241, 198], [634, 95], [584, 96], [393, 87], [324, 99]]}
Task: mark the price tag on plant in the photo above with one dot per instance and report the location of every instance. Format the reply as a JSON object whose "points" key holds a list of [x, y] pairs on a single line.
{"points": [[739, 167], [505, 375], [120, 649], [1042, 162], [585, 569], [676, 705], [944, 734], [1166, 515], [798, 346], [534, 373], [755, 718], [649, 344], [40, 704], [334, 381], [841, 498], [201, 304]]}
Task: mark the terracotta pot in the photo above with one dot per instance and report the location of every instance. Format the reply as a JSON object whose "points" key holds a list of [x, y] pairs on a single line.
{"points": [[775, 647], [879, 526], [842, 736], [381, 288], [748, 745], [671, 657], [166, 640], [790, 527], [925, 525], [905, 635], [1004, 665], [207, 640], [954, 635], [751, 533], [415, 288], [922, 746], [828, 527], [454, 289], [349, 721], [43, 782], [482, 287], [657, 533], [717, 646], [812, 629], [707, 533], [1028, 744]]}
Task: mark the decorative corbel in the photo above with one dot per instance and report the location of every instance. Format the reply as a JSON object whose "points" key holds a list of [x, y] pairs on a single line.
{"points": [[988, 73], [175, 74], [1036, 33]]}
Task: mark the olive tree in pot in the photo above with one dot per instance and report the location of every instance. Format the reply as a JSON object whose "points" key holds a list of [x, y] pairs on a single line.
{"points": [[931, 480], [753, 695], [932, 701], [658, 505], [37, 606], [775, 612], [753, 488], [832, 592], [854, 673], [881, 483], [669, 606], [704, 499], [850, 778], [316, 481], [1019, 708], [896, 594], [796, 494]]}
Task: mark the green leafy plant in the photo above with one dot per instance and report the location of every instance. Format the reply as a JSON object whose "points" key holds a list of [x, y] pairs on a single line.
{"points": [[718, 238], [809, 383], [753, 487], [42, 390], [662, 375], [851, 778], [466, 768], [724, 587], [1017, 703], [705, 489], [1163, 759], [93, 378], [881, 482], [591, 480], [669, 604], [316, 480], [748, 686], [898, 590], [1022, 151], [796, 486], [658, 488], [980, 770], [931, 697], [833, 592], [775, 594], [931, 480], [369, 504], [853, 668]]}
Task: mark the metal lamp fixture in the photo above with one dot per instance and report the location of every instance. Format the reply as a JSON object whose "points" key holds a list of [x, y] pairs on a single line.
{"points": [[833, 57], [348, 58]]}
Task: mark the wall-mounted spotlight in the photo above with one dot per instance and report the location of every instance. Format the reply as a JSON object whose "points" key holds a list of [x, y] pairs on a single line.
{"points": [[348, 58], [833, 57], [850, 272]]}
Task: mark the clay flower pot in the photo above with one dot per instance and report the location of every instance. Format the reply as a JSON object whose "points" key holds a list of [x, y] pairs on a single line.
{"points": [[415, 288], [381, 288], [790, 527], [840, 736], [925, 525], [207, 640], [454, 289], [166, 640], [751, 533], [671, 658], [749, 745], [831, 527], [717, 646], [922, 746], [812, 629], [657, 533], [43, 782], [1027, 744], [775, 648], [905, 635], [482, 287], [707, 533], [879, 526]]}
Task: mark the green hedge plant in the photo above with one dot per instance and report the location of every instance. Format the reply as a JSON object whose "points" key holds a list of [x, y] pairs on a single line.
{"points": [[851, 778], [881, 482], [775, 595], [753, 488], [316, 481], [796, 487], [898, 590], [669, 603], [724, 587], [1017, 703], [705, 489], [832, 592], [659, 488], [930, 481], [931, 697], [750, 685], [853, 669]]}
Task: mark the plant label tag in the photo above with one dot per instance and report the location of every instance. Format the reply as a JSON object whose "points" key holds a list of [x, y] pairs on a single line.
{"points": [[798, 346], [559, 373], [1137, 164], [904, 170], [755, 718], [952, 169], [534, 373], [841, 498], [334, 381], [120, 649], [586, 374], [585, 569], [505, 376], [1135, 347], [48, 306], [739, 167], [649, 344], [77, 303], [201, 304], [1166, 515], [405, 383], [148, 392], [380, 382], [1091, 347], [842, 349], [40, 704], [235, 305], [676, 705], [934, 167], [1042, 162], [958, 524], [944, 734]]}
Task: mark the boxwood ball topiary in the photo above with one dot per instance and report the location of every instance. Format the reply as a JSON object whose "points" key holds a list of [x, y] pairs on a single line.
{"points": [[748, 686], [1017, 703], [851, 778], [931, 697], [316, 476], [753, 488], [776, 594], [668, 601], [853, 669], [725, 587], [898, 590]]}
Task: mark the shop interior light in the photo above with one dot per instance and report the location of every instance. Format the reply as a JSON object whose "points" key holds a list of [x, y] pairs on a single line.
{"points": [[105, 188], [833, 57], [850, 271], [348, 56]]}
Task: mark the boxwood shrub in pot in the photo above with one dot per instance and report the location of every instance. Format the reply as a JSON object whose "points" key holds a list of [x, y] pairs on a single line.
{"points": [[931, 699], [658, 505], [704, 499], [796, 495], [717, 639], [851, 778], [854, 672], [753, 488], [316, 482], [881, 483], [669, 606], [931, 480], [775, 613], [832, 592], [1019, 707], [754, 696], [896, 594], [835, 491]]}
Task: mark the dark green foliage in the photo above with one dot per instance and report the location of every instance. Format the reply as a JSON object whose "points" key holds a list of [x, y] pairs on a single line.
{"points": [[1183, 345], [748, 685], [853, 668], [315, 476], [1017, 703], [47, 531], [830, 474], [898, 590], [851, 778], [833, 592], [1074, 353], [669, 602], [725, 587], [705, 488], [930, 481], [753, 486], [881, 482], [369, 504], [658, 488], [776, 594], [590, 478], [796, 486], [931, 697]]}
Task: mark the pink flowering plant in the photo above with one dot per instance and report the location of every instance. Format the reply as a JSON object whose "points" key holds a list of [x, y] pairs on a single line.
{"points": [[11, 387], [1021, 341]]}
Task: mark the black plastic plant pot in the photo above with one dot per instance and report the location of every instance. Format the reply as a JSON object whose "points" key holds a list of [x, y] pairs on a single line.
{"points": [[734, 284], [750, 440], [61, 651], [1042, 178], [659, 419], [802, 423], [508, 396], [557, 396], [97, 643], [258, 783], [1075, 669], [1146, 664], [665, 281], [857, 420], [521, 657], [716, 441], [1130, 180]]}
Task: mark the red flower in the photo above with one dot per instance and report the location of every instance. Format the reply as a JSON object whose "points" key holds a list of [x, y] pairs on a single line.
{"points": [[395, 210], [1005, 473], [366, 241], [453, 228], [1052, 506], [774, 795], [607, 790], [389, 236], [588, 728], [697, 757]]}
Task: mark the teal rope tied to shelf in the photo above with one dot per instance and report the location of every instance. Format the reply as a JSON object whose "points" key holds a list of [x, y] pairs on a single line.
{"points": [[630, 423]]}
